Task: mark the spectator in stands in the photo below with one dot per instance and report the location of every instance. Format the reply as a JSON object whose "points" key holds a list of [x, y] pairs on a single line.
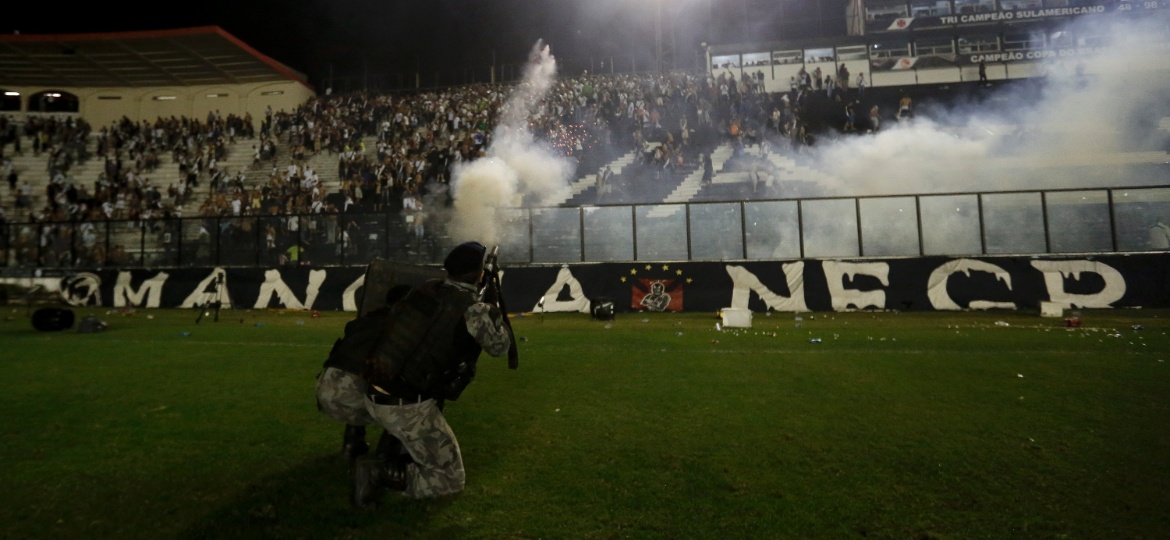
{"points": [[905, 110]]}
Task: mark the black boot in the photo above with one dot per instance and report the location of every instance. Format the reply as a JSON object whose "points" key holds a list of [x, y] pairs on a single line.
{"points": [[391, 451], [369, 473], [353, 442], [371, 476]]}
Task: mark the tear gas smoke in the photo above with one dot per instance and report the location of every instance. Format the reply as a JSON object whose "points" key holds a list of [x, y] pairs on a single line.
{"points": [[1082, 117], [1091, 122], [516, 168]]}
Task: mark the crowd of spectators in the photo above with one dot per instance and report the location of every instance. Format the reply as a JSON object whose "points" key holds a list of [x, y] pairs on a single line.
{"points": [[394, 154]]}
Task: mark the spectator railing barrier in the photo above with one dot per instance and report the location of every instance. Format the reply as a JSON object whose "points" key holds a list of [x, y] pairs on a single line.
{"points": [[1106, 220]]}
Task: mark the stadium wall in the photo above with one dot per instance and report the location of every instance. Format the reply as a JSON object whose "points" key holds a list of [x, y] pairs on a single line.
{"points": [[904, 284], [102, 106]]}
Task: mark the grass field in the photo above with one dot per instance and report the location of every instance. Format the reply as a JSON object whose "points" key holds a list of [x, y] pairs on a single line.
{"points": [[895, 425]]}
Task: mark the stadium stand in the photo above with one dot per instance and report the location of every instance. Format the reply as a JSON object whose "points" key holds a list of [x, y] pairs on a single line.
{"points": [[357, 164]]}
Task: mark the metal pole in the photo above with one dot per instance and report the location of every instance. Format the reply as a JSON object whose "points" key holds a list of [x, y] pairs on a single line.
{"points": [[857, 216], [982, 232], [141, 243], [581, 235], [743, 228], [1044, 215], [918, 215], [634, 228], [178, 235], [800, 225], [531, 237], [1112, 219]]}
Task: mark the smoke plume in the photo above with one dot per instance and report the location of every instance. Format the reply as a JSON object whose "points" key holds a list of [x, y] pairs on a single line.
{"points": [[1089, 107], [516, 170]]}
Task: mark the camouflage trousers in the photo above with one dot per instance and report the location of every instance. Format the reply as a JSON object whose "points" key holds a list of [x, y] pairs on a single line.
{"points": [[341, 395], [438, 465]]}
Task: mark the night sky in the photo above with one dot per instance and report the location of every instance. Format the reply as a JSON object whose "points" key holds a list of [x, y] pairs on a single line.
{"points": [[347, 38]]}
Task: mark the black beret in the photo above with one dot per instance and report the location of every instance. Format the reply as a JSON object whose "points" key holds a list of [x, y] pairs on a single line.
{"points": [[465, 259]]}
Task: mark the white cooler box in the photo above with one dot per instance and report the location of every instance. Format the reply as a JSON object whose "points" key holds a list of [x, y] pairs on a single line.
{"points": [[737, 318]]}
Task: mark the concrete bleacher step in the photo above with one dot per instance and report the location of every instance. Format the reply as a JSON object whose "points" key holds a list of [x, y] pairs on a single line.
{"points": [[581, 185], [685, 191], [620, 163], [721, 154]]}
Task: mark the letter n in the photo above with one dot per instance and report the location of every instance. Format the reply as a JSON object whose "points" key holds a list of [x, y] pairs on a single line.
{"points": [[274, 285], [743, 283]]}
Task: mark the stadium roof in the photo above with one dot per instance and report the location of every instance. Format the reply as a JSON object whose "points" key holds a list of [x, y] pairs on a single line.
{"points": [[199, 56]]}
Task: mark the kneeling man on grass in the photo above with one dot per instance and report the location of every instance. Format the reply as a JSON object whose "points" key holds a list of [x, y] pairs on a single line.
{"points": [[427, 355]]}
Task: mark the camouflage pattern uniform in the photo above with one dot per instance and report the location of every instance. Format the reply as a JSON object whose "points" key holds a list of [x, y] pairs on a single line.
{"points": [[484, 324], [341, 386], [438, 464], [341, 395]]}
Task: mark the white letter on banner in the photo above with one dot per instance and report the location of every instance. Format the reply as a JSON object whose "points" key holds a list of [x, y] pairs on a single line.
{"points": [[349, 296], [201, 296], [936, 286], [274, 285], [1056, 271], [578, 303], [842, 297], [81, 288], [123, 290], [743, 283]]}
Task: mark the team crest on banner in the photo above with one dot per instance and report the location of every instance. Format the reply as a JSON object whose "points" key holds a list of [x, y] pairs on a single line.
{"points": [[651, 292]]}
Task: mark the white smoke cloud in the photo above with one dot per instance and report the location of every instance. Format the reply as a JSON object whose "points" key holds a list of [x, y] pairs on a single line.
{"points": [[516, 170], [1019, 139]]}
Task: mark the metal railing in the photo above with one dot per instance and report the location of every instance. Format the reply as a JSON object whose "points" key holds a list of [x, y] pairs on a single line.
{"points": [[1105, 220]]}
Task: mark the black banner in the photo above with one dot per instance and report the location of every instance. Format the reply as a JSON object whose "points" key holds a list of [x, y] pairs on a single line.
{"points": [[900, 24], [920, 284]]}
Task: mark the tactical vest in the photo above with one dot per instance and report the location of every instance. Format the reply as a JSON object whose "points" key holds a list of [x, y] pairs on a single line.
{"points": [[361, 336], [419, 342]]}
